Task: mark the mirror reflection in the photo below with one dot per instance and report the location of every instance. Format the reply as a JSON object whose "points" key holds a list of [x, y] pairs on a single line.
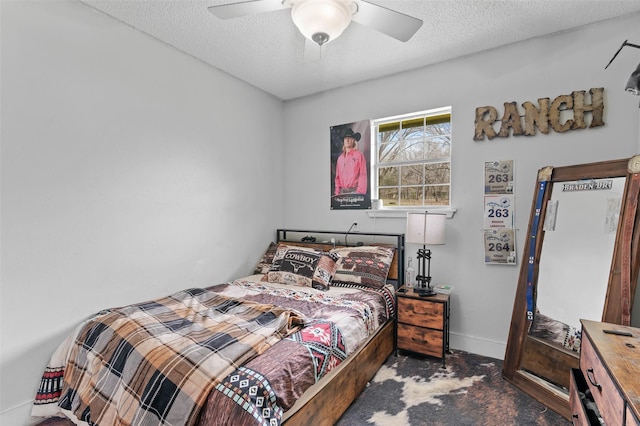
{"points": [[580, 231]]}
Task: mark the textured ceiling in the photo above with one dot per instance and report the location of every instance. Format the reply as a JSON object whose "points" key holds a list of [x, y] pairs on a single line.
{"points": [[268, 52]]}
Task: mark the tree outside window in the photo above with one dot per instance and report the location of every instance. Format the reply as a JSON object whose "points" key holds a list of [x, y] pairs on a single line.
{"points": [[413, 164]]}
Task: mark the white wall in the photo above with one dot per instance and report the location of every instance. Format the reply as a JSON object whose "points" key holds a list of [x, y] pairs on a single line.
{"points": [[545, 67], [129, 171]]}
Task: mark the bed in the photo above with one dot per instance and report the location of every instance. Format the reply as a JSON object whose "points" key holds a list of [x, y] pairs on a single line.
{"points": [[294, 343], [555, 332], [546, 336]]}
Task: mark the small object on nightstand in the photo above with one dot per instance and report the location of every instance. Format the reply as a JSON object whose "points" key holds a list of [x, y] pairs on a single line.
{"points": [[443, 289], [410, 275]]}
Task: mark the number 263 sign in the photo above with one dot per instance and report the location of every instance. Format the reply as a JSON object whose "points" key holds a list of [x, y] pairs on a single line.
{"points": [[498, 177], [498, 211]]}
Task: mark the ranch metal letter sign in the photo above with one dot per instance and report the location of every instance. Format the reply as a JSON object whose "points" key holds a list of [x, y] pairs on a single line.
{"points": [[546, 114]]}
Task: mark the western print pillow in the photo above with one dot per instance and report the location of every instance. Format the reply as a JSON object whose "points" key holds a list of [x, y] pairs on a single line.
{"points": [[365, 265], [303, 267]]}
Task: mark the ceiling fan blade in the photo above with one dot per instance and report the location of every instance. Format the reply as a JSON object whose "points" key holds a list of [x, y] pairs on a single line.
{"points": [[254, 7], [395, 24]]}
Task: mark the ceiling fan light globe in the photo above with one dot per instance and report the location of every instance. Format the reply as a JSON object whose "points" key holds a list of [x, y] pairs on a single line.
{"points": [[323, 19]]}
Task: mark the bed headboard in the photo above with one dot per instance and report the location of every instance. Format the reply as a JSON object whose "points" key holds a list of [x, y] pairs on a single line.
{"points": [[327, 240]]}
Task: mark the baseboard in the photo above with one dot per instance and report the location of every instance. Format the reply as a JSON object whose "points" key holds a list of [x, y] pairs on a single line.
{"points": [[477, 345]]}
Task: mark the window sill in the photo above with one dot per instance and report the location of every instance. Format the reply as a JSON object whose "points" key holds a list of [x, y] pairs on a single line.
{"points": [[402, 213]]}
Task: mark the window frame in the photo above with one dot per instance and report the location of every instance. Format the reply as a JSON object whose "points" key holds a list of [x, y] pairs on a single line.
{"points": [[376, 165]]}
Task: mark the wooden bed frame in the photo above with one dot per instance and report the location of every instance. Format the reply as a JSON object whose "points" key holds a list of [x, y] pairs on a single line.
{"points": [[326, 401], [344, 384]]}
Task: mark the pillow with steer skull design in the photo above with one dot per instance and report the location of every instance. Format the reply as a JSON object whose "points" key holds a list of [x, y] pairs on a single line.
{"points": [[306, 268]]}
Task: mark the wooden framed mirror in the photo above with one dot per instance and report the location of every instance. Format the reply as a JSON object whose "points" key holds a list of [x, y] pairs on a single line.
{"points": [[580, 260]]}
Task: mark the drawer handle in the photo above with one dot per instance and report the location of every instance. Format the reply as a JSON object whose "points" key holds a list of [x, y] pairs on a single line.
{"points": [[574, 417], [592, 379]]}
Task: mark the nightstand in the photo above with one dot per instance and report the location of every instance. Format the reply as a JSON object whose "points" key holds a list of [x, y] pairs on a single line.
{"points": [[422, 323]]}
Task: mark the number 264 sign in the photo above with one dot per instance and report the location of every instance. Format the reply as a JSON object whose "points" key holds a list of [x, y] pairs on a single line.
{"points": [[499, 246]]}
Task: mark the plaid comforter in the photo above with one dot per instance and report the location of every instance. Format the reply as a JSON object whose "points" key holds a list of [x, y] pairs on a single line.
{"points": [[155, 363]]}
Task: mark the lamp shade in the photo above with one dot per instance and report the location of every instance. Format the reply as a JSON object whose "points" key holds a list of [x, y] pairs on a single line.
{"points": [[425, 228], [322, 20], [633, 85]]}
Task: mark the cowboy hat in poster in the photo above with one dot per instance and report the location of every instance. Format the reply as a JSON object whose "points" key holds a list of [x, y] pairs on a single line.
{"points": [[350, 166]]}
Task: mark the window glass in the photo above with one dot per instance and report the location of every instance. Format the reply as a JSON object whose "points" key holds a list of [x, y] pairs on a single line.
{"points": [[413, 159]]}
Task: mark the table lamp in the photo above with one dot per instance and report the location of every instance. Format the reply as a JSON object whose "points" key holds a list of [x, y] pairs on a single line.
{"points": [[426, 229]]}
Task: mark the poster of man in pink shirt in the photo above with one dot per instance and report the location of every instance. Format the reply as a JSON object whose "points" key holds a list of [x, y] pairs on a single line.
{"points": [[350, 147]]}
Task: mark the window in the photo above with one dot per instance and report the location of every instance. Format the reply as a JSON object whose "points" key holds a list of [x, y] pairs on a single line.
{"points": [[412, 167]]}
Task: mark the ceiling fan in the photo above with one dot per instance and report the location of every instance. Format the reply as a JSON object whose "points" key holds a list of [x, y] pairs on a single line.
{"points": [[323, 21]]}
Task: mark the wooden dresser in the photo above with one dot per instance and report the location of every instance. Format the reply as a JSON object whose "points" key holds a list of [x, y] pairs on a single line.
{"points": [[423, 323], [606, 389]]}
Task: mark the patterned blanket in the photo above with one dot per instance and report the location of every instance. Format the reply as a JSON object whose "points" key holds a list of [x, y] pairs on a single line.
{"points": [[260, 392], [156, 362], [337, 323]]}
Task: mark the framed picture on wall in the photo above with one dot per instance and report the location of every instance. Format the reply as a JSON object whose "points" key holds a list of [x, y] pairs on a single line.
{"points": [[350, 165]]}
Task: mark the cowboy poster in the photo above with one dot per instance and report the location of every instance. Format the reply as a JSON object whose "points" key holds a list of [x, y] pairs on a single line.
{"points": [[350, 166]]}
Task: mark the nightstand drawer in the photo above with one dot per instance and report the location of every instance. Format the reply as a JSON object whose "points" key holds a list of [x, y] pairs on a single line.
{"points": [[422, 313], [420, 340]]}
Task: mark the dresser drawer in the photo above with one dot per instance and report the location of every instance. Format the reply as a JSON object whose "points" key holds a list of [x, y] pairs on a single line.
{"points": [[421, 340], [631, 420], [584, 411], [578, 409], [422, 313], [604, 391]]}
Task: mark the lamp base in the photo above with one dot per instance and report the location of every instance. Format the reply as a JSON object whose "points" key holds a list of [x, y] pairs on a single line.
{"points": [[425, 292]]}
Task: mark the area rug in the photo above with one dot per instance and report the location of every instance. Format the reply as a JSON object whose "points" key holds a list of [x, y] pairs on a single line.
{"points": [[469, 391]]}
